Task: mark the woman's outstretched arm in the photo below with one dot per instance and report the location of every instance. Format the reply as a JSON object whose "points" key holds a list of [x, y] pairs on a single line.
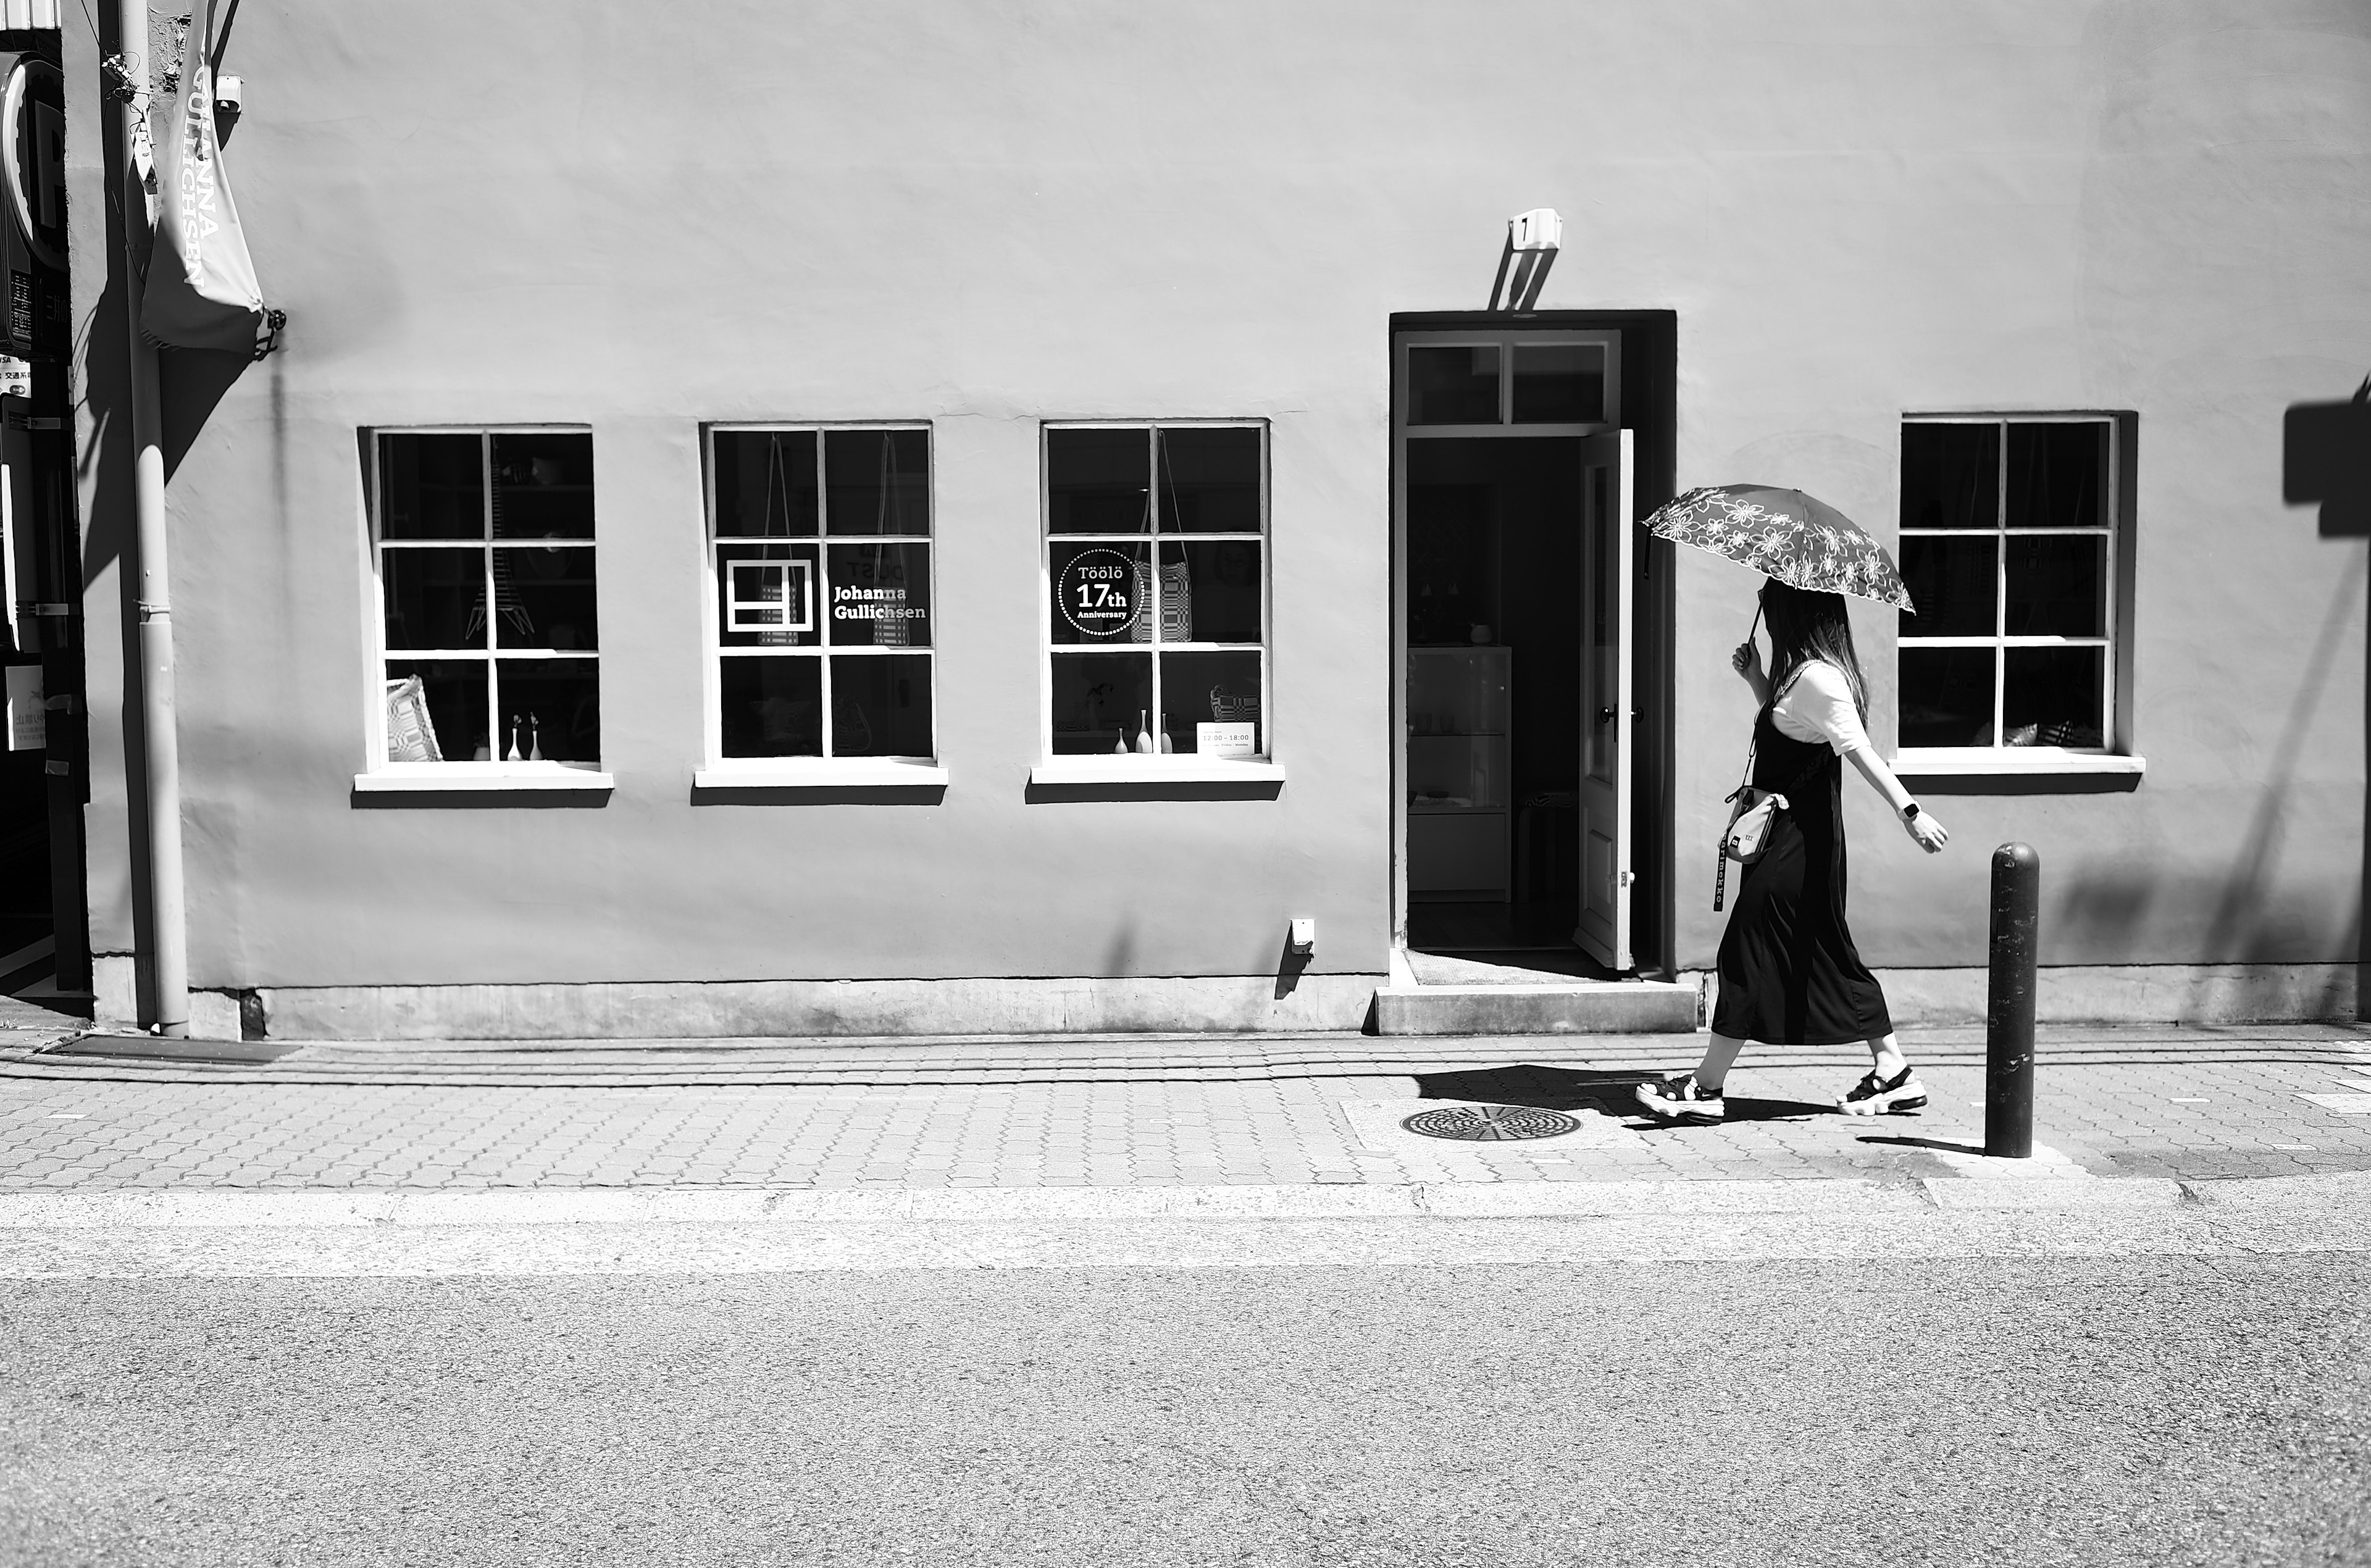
{"points": [[1929, 834]]}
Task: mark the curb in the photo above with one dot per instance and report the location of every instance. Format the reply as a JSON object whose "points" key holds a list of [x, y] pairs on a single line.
{"points": [[988, 1205]]}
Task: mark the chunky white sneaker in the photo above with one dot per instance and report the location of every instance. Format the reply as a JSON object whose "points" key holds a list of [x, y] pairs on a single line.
{"points": [[1874, 1096], [1682, 1098]]}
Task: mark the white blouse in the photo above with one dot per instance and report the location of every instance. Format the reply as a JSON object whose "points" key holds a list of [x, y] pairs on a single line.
{"points": [[1818, 706]]}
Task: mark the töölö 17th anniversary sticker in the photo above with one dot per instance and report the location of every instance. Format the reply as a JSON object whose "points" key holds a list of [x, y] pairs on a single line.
{"points": [[1097, 593]]}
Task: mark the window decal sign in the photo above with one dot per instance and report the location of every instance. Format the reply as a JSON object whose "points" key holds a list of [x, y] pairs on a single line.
{"points": [[1097, 593], [28, 722], [886, 606], [769, 595]]}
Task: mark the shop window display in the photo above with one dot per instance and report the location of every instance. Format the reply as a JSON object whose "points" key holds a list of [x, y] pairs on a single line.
{"points": [[1156, 590], [2009, 547], [820, 543], [489, 620]]}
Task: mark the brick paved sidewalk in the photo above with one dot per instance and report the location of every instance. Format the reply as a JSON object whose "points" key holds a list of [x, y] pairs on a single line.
{"points": [[1112, 1111]]}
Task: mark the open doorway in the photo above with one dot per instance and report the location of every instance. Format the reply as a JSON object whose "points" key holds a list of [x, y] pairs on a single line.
{"points": [[1518, 598]]}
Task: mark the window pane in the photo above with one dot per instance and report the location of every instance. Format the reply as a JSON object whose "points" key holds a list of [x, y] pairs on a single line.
{"points": [[1950, 476], [1947, 696], [1600, 751], [543, 487], [547, 594], [1953, 582], [765, 483], [1211, 592], [877, 482], [2057, 476], [435, 598], [1102, 593], [1212, 698], [456, 689], [1559, 383], [431, 487], [1210, 481], [881, 706], [772, 707], [1098, 481], [2057, 585], [1455, 385], [552, 706], [881, 595], [769, 596], [1101, 701], [2052, 697], [1453, 551]]}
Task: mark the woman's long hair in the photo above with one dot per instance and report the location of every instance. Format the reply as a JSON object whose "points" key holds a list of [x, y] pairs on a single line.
{"points": [[1805, 625]]}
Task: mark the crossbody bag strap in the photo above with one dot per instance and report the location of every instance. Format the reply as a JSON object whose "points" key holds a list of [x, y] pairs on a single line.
{"points": [[1720, 860]]}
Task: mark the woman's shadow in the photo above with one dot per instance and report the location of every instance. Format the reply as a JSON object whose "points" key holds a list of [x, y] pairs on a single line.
{"points": [[1574, 1088]]}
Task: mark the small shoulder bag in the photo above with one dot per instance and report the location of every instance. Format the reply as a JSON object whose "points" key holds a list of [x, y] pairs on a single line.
{"points": [[1753, 815]]}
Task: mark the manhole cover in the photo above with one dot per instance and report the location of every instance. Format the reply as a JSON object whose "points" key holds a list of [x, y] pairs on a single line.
{"points": [[1490, 1123]]}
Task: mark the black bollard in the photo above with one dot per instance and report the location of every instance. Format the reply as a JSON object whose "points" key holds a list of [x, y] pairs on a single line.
{"points": [[2009, 1012]]}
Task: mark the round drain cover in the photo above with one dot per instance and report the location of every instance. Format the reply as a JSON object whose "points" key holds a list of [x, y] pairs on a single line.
{"points": [[1490, 1123]]}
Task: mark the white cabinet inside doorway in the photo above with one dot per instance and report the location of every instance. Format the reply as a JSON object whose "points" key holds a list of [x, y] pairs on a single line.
{"points": [[1460, 760]]}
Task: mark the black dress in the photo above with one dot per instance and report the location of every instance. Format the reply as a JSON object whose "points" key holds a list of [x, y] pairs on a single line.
{"points": [[1789, 974]]}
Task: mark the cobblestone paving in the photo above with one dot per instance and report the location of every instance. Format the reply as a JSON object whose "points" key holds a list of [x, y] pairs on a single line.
{"points": [[2194, 1104]]}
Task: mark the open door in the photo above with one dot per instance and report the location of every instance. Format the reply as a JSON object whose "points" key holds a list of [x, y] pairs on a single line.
{"points": [[1608, 578]]}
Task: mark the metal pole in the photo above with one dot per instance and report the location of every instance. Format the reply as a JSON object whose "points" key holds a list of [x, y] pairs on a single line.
{"points": [[168, 961], [2008, 1015]]}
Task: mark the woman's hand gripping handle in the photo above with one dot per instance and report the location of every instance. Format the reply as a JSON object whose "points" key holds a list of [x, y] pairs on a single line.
{"points": [[1746, 660]]}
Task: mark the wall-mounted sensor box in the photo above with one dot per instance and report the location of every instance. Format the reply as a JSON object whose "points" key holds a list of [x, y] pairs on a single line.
{"points": [[1539, 229], [1304, 936]]}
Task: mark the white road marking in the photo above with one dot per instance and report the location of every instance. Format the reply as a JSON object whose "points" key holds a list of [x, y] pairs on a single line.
{"points": [[326, 1235], [1166, 1244], [2344, 1104]]}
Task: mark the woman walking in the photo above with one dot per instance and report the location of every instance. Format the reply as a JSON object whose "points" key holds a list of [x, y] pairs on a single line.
{"points": [[1789, 974]]}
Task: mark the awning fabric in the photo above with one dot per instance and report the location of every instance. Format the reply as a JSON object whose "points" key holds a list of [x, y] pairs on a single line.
{"points": [[202, 288]]}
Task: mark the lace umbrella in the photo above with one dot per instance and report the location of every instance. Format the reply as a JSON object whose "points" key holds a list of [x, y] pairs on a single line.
{"points": [[1786, 535]]}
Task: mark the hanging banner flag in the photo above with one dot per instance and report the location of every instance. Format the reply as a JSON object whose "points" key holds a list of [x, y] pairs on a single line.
{"points": [[202, 288]]}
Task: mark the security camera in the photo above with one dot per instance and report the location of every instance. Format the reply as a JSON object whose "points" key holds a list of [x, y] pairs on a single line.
{"points": [[227, 106]]}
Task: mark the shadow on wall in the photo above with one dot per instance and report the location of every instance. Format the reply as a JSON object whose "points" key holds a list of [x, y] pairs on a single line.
{"points": [[2326, 459], [2097, 909], [192, 383], [1119, 958]]}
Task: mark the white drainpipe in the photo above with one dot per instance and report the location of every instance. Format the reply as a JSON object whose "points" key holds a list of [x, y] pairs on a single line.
{"points": [[160, 770]]}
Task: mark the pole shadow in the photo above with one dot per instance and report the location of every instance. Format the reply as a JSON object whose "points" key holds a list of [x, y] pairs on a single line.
{"points": [[1946, 1145], [2326, 459]]}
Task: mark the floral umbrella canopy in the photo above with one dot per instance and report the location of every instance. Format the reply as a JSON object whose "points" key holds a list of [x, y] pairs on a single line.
{"points": [[1786, 535]]}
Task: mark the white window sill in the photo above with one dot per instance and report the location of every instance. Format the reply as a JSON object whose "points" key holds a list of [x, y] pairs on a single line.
{"points": [[2021, 762], [409, 778], [819, 773], [1135, 769]]}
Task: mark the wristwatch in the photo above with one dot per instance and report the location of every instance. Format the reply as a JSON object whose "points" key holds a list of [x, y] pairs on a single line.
{"points": [[1910, 812]]}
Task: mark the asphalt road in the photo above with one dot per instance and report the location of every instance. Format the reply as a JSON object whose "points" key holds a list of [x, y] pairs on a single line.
{"points": [[2137, 1410]]}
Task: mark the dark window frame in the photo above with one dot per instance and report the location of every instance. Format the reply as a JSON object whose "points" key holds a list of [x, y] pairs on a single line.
{"points": [[1153, 537], [822, 649], [2116, 527], [494, 652]]}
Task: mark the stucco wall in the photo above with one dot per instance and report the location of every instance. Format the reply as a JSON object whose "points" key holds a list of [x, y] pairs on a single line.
{"points": [[990, 214]]}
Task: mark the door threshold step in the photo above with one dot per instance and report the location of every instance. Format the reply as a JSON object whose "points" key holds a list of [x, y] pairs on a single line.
{"points": [[1577, 1007]]}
